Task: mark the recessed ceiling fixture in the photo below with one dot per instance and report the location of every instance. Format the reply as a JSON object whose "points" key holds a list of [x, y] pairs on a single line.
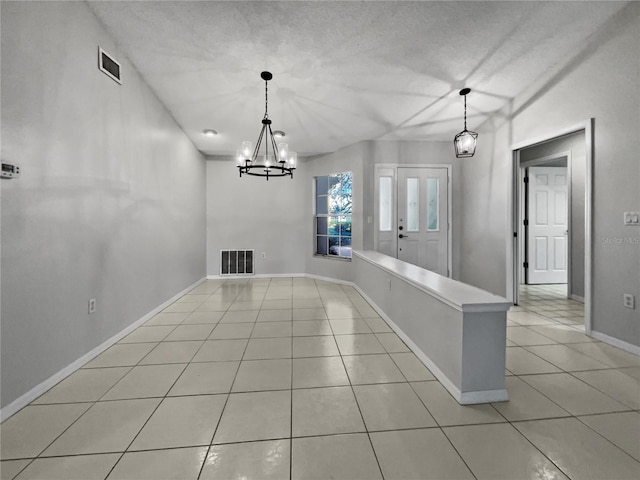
{"points": [[465, 142], [208, 132], [277, 160]]}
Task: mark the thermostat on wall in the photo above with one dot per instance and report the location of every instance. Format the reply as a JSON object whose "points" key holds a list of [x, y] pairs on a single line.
{"points": [[10, 171]]}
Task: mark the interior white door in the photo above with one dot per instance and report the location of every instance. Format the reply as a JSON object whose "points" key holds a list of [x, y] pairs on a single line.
{"points": [[548, 225], [423, 223]]}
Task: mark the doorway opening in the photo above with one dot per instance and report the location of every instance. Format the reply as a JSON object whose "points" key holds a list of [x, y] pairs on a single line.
{"points": [[412, 215], [550, 302], [552, 238]]}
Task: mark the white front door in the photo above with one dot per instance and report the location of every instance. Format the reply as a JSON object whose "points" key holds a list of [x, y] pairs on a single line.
{"points": [[548, 225], [422, 219]]}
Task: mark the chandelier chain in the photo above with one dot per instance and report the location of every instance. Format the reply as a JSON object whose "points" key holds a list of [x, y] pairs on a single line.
{"points": [[266, 99]]}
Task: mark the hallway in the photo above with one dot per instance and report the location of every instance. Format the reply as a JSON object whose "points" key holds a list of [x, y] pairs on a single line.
{"points": [[551, 301], [300, 378]]}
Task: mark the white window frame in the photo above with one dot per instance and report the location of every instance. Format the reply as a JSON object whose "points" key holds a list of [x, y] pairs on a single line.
{"points": [[316, 215]]}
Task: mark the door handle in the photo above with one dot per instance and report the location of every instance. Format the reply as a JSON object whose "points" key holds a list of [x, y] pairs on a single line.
{"points": [[403, 236]]}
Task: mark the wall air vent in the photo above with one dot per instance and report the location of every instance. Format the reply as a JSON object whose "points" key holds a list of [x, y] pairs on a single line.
{"points": [[108, 65], [236, 262]]}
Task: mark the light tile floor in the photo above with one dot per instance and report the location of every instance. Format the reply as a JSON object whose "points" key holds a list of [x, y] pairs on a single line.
{"points": [[296, 379]]}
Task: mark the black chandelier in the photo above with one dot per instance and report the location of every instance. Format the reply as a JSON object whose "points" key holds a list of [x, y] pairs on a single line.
{"points": [[465, 142], [277, 160]]}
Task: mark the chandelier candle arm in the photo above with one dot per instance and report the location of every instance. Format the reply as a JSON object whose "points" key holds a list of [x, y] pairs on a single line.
{"points": [[280, 162]]}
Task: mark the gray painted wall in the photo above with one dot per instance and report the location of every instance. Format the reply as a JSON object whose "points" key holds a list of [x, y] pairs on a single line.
{"points": [[574, 143], [600, 82], [348, 159], [253, 213], [110, 204], [277, 217]]}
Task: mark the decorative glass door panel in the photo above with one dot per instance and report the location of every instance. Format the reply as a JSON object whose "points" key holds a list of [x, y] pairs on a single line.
{"points": [[413, 205], [386, 204], [422, 223]]}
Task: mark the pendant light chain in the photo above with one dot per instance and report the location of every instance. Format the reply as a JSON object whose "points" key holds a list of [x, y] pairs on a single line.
{"points": [[465, 112]]}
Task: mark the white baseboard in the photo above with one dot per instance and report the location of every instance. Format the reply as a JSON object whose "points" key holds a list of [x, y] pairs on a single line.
{"points": [[56, 378], [260, 275], [442, 378], [331, 280], [280, 275], [485, 396], [627, 347], [576, 298]]}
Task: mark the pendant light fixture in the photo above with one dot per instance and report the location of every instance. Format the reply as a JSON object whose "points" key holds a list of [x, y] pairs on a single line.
{"points": [[465, 142], [275, 160]]}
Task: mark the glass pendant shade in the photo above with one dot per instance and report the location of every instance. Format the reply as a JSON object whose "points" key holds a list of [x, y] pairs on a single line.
{"points": [[246, 150], [283, 152], [465, 143]]}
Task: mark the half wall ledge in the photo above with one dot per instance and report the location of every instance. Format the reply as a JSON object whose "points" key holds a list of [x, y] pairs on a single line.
{"points": [[458, 331]]}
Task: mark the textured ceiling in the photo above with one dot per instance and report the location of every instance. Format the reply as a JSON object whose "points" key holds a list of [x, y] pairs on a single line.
{"points": [[343, 71]]}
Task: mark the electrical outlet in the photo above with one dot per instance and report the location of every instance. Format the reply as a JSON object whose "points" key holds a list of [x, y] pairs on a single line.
{"points": [[629, 301], [264, 255], [632, 218], [92, 305], [389, 284]]}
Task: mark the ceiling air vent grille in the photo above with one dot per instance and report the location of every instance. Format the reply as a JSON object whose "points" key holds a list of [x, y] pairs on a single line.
{"points": [[108, 65], [236, 262]]}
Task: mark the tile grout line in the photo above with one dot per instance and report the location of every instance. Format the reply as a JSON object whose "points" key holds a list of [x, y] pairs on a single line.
{"points": [[571, 415], [333, 335], [438, 426], [226, 401], [39, 455], [291, 398], [364, 423], [602, 436], [512, 423], [152, 413], [162, 399]]}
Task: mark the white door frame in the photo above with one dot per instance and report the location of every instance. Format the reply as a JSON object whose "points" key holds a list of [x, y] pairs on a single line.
{"points": [[538, 162], [514, 235], [376, 213]]}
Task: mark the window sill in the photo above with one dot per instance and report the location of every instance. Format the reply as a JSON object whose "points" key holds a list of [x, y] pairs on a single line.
{"points": [[332, 257]]}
